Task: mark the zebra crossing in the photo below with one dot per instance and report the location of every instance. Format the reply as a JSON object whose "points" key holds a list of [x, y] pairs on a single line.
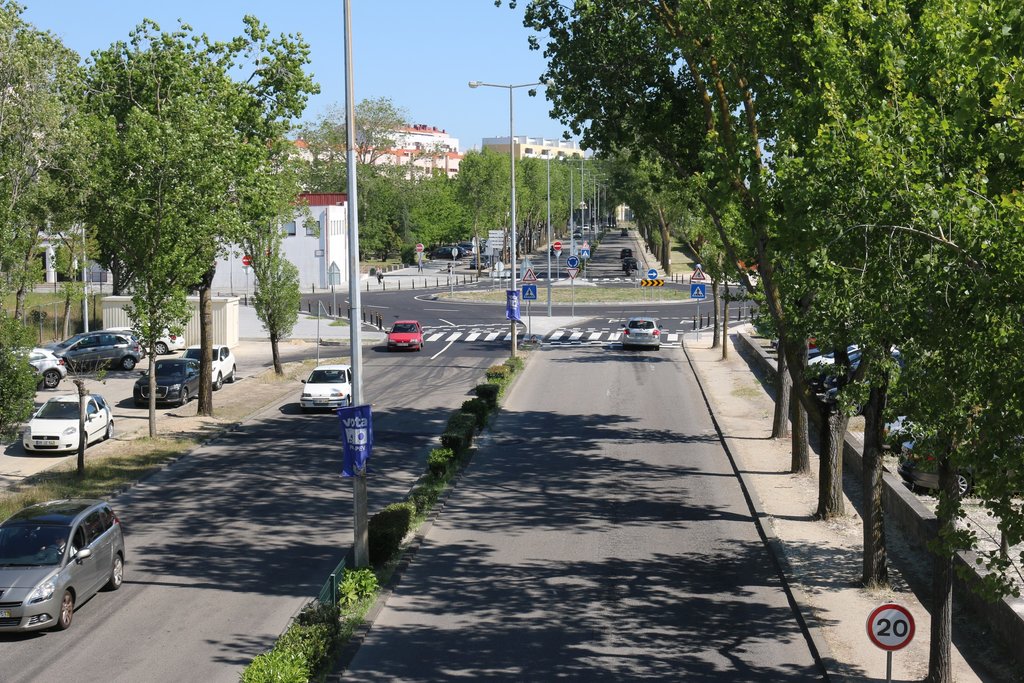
{"points": [[557, 337]]}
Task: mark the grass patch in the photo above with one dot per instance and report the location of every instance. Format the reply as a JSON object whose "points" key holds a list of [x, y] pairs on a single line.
{"points": [[102, 475]]}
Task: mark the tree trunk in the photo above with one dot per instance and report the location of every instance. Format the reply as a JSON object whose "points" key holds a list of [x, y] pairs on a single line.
{"points": [[830, 464], [67, 315], [940, 669], [800, 449], [278, 368], [875, 560], [82, 393], [204, 405], [725, 328], [19, 304], [716, 338], [783, 384], [151, 356]]}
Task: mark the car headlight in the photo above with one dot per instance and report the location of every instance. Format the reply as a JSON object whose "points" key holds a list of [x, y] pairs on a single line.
{"points": [[69, 431], [43, 591], [174, 387], [306, 395]]}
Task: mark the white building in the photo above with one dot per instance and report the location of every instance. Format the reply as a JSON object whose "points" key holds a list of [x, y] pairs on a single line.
{"points": [[318, 249]]}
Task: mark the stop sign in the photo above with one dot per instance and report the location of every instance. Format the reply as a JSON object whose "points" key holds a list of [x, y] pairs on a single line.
{"points": [[557, 245], [246, 260], [419, 248]]}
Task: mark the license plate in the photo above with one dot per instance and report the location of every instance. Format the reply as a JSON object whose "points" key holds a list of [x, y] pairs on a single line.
{"points": [[5, 614]]}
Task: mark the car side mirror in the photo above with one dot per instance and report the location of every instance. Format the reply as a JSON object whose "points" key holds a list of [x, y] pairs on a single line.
{"points": [[303, 381], [83, 554]]}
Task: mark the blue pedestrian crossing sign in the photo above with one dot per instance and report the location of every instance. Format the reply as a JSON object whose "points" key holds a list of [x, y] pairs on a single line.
{"points": [[529, 292], [584, 253], [698, 290]]}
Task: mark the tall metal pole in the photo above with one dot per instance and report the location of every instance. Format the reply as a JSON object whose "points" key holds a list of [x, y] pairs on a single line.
{"points": [[360, 518], [85, 283], [512, 249], [549, 233]]}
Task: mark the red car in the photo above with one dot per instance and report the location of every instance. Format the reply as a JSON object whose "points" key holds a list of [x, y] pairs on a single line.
{"points": [[405, 334]]}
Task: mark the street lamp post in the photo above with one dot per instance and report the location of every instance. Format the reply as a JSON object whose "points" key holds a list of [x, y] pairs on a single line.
{"points": [[548, 155], [512, 166]]}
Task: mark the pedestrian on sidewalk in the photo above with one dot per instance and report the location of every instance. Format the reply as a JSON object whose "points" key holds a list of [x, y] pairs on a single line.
{"points": [[380, 277]]}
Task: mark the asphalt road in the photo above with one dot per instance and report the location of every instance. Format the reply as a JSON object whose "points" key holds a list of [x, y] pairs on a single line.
{"points": [[600, 535], [227, 544]]}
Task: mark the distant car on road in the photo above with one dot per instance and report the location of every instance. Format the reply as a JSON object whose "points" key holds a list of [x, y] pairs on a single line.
{"points": [[54, 556], [54, 427], [629, 265], [224, 367], [642, 332], [327, 387], [624, 233], [177, 381], [405, 334], [625, 253], [90, 350]]}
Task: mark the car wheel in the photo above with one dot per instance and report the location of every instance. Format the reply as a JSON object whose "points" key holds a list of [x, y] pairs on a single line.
{"points": [[231, 376], [116, 574], [184, 397], [128, 363], [67, 611], [51, 378], [110, 431], [963, 484], [161, 348], [219, 382]]}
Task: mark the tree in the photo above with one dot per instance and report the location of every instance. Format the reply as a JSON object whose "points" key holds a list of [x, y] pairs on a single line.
{"points": [[17, 378]]}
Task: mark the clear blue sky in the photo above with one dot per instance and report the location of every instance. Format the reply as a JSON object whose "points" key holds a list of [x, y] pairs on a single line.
{"points": [[419, 53]]}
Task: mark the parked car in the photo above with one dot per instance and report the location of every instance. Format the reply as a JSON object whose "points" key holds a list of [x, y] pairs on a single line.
{"points": [[53, 557], [485, 261], [165, 343], [625, 253], [449, 252], [177, 381], [90, 350], [328, 386], [643, 332], [405, 334], [224, 368], [629, 265], [50, 368], [917, 469], [54, 427], [466, 249]]}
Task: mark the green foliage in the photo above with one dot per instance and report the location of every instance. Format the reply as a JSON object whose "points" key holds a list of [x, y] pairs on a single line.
{"points": [[515, 365], [457, 441], [498, 374], [387, 530], [489, 394], [18, 379], [356, 586], [479, 409], [277, 666], [438, 462]]}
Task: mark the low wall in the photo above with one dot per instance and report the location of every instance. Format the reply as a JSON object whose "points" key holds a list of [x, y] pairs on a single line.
{"points": [[903, 509]]}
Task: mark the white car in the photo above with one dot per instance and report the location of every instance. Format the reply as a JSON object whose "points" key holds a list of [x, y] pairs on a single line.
{"points": [[165, 343], [224, 366], [54, 427], [328, 386], [50, 368]]}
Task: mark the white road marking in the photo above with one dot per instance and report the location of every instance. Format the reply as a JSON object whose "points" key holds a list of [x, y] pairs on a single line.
{"points": [[492, 336], [448, 346], [575, 336], [472, 336], [614, 336], [454, 336], [435, 337], [446, 322], [595, 336]]}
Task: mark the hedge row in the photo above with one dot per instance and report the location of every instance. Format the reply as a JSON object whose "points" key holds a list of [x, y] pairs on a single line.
{"points": [[310, 645]]}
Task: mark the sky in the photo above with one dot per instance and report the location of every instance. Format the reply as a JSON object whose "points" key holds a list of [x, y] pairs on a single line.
{"points": [[420, 53]]}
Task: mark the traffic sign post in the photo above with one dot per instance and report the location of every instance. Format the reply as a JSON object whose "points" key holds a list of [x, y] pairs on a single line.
{"points": [[891, 628]]}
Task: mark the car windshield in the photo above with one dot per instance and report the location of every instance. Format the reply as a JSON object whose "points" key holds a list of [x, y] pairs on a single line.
{"points": [[641, 324], [404, 327], [58, 410], [32, 544], [327, 377], [174, 368], [68, 343], [195, 354]]}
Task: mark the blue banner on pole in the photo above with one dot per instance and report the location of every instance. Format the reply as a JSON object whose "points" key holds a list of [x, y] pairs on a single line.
{"points": [[356, 438], [512, 304]]}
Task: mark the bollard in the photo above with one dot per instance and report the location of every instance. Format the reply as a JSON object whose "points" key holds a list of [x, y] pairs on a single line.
{"points": [[309, 307], [694, 323]]}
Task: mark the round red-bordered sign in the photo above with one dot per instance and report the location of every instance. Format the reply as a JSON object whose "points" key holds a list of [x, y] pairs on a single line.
{"points": [[891, 627], [557, 245], [246, 260]]}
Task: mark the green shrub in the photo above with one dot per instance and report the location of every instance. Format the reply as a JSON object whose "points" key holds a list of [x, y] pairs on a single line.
{"points": [[277, 666], [462, 422], [357, 585], [425, 496], [457, 441], [386, 530], [498, 373], [479, 409], [515, 365], [489, 394], [438, 461]]}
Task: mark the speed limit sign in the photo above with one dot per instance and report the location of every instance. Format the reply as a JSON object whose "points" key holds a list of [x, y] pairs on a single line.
{"points": [[891, 627]]}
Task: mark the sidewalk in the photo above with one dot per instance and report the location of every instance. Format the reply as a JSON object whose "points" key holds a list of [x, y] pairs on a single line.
{"points": [[822, 560]]}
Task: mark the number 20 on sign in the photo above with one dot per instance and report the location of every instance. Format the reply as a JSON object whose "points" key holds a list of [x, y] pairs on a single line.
{"points": [[890, 627]]}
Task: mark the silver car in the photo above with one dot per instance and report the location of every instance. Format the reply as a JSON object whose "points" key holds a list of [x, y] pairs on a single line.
{"points": [[55, 556], [50, 368], [642, 332]]}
